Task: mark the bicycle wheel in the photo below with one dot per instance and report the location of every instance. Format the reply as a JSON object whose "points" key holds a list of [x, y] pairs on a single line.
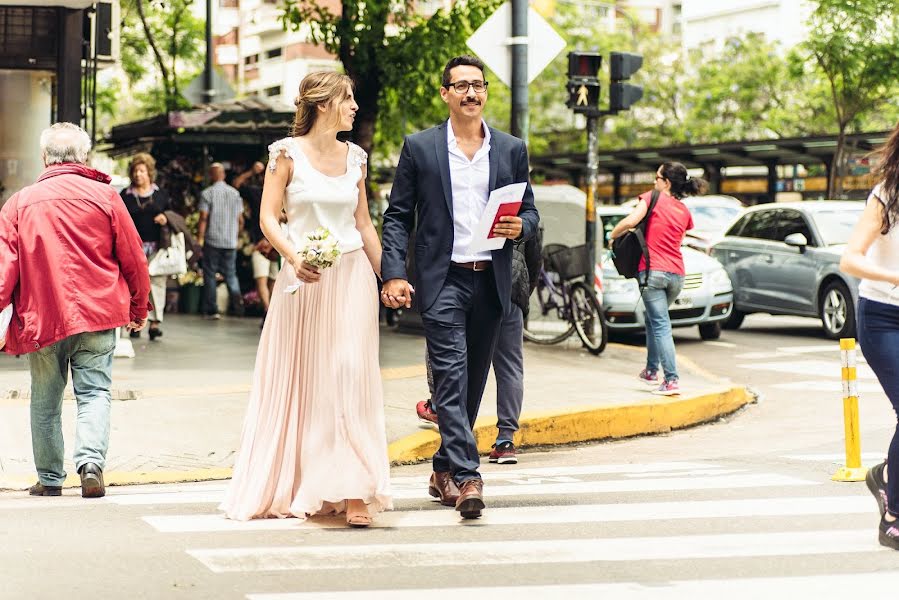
{"points": [[586, 315], [547, 320]]}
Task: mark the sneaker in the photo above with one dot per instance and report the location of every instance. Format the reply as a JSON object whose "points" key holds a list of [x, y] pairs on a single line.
{"points": [[888, 534], [426, 413], [669, 387], [877, 486], [648, 377], [503, 454], [213, 317]]}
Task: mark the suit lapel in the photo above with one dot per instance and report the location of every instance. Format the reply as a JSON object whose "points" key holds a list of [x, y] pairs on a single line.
{"points": [[494, 161], [443, 163]]}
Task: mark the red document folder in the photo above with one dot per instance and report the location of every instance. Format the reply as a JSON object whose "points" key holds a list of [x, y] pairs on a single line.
{"points": [[507, 209]]}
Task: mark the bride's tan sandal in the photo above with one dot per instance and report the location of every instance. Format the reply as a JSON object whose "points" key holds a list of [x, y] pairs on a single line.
{"points": [[358, 519]]}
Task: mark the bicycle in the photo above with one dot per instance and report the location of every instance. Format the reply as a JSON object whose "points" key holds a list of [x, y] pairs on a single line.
{"points": [[564, 303]]}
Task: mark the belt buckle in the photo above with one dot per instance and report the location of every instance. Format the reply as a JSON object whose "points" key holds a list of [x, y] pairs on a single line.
{"points": [[474, 266]]}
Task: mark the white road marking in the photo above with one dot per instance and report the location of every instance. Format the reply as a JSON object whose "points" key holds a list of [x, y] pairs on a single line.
{"points": [[819, 368], [719, 344], [518, 552], [837, 457], [584, 513], [821, 587], [419, 492], [830, 385]]}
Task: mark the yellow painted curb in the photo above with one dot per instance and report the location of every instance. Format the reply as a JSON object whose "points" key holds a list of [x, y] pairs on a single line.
{"points": [[588, 424]]}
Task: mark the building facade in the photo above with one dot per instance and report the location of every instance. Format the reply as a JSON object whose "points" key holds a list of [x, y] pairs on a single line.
{"points": [[707, 24]]}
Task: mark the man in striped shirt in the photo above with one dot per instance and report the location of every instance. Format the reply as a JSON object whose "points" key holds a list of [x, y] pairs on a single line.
{"points": [[221, 217]]}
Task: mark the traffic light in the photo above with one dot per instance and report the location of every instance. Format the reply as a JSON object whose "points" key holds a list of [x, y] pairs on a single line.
{"points": [[621, 66], [583, 81]]}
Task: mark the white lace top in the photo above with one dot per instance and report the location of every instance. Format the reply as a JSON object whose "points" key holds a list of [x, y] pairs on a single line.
{"points": [[884, 252], [315, 200]]}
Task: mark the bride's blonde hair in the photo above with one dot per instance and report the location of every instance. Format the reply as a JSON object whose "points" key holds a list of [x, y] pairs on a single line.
{"points": [[320, 88]]}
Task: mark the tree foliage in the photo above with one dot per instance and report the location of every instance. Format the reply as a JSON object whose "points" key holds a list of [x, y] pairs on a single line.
{"points": [[167, 33], [394, 57], [855, 45]]}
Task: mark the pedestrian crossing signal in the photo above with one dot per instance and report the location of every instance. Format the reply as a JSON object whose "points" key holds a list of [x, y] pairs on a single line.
{"points": [[583, 81], [583, 96]]}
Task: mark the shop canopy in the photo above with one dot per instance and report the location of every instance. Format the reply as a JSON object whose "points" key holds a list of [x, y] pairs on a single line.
{"points": [[251, 121]]}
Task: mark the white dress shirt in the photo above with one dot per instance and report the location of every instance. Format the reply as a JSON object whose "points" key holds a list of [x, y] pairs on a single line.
{"points": [[471, 188]]}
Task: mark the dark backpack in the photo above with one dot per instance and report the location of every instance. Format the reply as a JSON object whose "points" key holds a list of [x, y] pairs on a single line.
{"points": [[628, 249]]}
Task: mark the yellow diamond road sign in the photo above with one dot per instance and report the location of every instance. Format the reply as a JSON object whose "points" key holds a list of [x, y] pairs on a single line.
{"points": [[492, 40]]}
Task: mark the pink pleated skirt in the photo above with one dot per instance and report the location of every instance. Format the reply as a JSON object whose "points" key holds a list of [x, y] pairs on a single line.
{"points": [[314, 433]]}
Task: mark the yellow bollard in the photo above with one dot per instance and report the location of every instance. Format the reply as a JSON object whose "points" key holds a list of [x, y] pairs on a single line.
{"points": [[853, 471]]}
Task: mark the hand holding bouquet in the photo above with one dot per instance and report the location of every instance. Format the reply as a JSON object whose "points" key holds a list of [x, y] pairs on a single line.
{"points": [[319, 250]]}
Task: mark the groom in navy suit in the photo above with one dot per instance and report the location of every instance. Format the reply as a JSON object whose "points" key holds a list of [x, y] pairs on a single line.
{"points": [[442, 184]]}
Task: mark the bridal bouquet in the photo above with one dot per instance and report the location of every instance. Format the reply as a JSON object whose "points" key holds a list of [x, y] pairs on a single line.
{"points": [[319, 249]]}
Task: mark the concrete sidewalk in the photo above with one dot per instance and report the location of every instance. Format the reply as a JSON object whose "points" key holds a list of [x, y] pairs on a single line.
{"points": [[179, 405]]}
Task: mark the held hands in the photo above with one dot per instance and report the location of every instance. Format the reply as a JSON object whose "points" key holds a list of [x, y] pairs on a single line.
{"points": [[508, 227], [397, 293], [160, 219]]}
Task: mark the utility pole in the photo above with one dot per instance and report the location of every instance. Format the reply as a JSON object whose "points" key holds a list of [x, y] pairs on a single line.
{"points": [[519, 49], [208, 90]]}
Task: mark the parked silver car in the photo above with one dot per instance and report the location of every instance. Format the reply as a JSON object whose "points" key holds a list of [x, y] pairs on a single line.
{"points": [[705, 300], [784, 259]]}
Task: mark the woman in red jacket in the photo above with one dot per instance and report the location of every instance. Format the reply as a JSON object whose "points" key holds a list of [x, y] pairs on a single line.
{"points": [[666, 227]]}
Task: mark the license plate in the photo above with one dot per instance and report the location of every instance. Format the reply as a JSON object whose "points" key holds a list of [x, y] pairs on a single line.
{"points": [[683, 302]]}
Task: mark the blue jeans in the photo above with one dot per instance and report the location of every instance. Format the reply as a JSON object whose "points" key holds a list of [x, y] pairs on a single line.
{"points": [[660, 291], [878, 334], [218, 260], [89, 355]]}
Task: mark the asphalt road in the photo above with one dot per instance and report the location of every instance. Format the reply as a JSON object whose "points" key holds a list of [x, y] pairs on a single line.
{"points": [[743, 507]]}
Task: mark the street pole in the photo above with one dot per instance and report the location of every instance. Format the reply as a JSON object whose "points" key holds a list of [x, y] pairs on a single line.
{"points": [[592, 182], [208, 91], [519, 50]]}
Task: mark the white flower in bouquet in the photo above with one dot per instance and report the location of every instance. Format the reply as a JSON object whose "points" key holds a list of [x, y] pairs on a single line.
{"points": [[319, 249]]}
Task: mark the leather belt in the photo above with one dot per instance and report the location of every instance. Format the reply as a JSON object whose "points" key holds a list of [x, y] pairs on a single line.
{"points": [[478, 265]]}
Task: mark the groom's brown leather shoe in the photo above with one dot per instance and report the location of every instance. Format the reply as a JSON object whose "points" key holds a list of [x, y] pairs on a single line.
{"points": [[442, 486], [471, 498]]}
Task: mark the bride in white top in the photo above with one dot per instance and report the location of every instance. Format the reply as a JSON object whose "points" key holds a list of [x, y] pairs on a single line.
{"points": [[314, 438]]}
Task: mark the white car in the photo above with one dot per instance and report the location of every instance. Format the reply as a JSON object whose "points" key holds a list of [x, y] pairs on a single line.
{"points": [[706, 299]]}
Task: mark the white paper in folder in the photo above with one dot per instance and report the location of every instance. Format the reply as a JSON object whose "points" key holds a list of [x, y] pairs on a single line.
{"points": [[5, 318]]}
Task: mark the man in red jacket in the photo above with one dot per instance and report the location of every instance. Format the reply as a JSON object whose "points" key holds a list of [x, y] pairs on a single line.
{"points": [[72, 265]]}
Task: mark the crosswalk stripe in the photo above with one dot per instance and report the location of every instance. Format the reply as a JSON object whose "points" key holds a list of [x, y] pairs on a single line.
{"points": [[586, 513], [384, 556], [528, 488], [613, 469], [820, 368], [832, 385], [874, 457], [822, 587]]}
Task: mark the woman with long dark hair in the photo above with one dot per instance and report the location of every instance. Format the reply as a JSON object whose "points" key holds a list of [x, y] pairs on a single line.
{"points": [[669, 221], [873, 256]]}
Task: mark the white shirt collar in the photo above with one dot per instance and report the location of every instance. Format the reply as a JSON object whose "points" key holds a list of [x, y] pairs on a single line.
{"points": [[451, 136]]}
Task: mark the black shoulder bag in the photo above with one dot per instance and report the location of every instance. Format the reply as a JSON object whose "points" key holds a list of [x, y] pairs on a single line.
{"points": [[628, 249]]}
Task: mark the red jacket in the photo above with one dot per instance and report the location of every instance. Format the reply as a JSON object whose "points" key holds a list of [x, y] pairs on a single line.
{"points": [[70, 259]]}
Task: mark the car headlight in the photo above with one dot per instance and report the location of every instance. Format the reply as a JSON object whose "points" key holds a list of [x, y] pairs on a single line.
{"points": [[619, 285], [720, 282]]}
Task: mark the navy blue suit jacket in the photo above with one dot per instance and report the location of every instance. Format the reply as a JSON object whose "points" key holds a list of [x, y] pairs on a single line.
{"points": [[422, 195]]}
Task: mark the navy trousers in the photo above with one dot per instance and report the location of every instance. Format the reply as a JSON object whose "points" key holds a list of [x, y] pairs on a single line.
{"points": [[878, 334], [461, 330]]}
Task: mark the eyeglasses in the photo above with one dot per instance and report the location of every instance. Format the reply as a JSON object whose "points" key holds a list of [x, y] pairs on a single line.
{"points": [[658, 177], [462, 86]]}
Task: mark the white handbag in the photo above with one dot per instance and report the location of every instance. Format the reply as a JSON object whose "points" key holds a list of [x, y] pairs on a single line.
{"points": [[171, 260]]}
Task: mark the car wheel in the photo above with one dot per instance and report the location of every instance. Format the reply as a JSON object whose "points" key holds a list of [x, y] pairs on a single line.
{"points": [[710, 331], [837, 311], [735, 319]]}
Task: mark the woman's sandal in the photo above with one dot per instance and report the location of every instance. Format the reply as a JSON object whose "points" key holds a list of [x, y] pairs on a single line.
{"points": [[358, 519]]}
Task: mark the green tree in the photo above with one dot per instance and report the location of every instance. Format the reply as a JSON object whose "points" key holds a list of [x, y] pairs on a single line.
{"points": [[394, 57], [854, 44], [167, 33]]}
